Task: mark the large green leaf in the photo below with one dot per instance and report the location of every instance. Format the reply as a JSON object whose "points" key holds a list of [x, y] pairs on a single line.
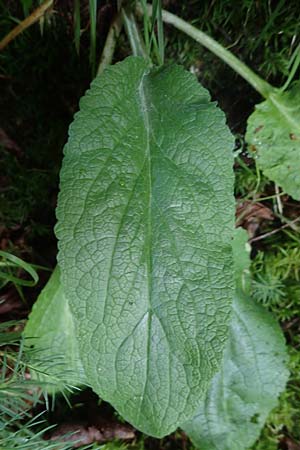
{"points": [[252, 376], [145, 219], [274, 136], [50, 333]]}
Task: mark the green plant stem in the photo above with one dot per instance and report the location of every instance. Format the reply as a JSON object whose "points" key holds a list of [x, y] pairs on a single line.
{"points": [[110, 43], [136, 42], [238, 66]]}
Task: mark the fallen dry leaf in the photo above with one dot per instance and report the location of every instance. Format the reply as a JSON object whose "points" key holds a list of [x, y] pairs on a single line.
{"points": [[250, 215], [83, 434]]}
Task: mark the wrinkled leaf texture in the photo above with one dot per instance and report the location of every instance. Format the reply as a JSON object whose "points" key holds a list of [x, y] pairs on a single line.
{"points": [[252, 376], [273, 133], [145, 220]]}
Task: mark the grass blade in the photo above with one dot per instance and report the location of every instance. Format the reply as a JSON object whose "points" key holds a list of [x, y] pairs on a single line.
{"points": [[160, 33], [147, 26], [26, 4], [158, 43], [293, 66], [17, 262], [93, 34]]}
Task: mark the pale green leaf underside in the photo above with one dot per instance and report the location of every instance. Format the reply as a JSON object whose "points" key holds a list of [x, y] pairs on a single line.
{"points": [[145, 218], [241, 260], [246, 389], [50, 332], [274, 136]]}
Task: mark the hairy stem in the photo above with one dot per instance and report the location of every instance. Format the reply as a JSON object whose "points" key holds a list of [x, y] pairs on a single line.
{"points": [[135, 39]]}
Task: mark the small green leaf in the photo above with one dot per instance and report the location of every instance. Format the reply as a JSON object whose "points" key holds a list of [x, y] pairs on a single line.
{"points": [[145, 220], [50, 333], [253, 374], [273, 135]]}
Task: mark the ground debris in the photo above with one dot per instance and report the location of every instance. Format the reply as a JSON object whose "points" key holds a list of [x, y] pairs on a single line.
{"points": [[10, 302], [82, 433], [250, 215], [288, 444]]}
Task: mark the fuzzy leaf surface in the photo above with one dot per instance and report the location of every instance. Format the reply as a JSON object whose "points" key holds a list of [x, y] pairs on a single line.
{"points": [[145, 219], [50, 331], [251, 378], [273, 133]]}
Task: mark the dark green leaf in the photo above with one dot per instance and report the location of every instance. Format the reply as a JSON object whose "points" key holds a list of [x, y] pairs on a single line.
{"points": [[145, 219], [253, 374]]}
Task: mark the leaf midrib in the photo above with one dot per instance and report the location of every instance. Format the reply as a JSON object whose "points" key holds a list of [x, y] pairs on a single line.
{"points": [[146, 119]]}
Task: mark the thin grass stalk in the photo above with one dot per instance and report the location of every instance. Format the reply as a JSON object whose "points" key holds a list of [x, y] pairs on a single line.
{"points": [[93, 34], [158, 43], [34, 17], [160, 33], [293, 66], [110, 43], [147, 26]]}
